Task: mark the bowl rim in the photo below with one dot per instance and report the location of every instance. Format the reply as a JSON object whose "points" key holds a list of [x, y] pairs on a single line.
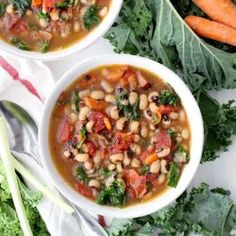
{"points": [[194, 118], [82, 44]]}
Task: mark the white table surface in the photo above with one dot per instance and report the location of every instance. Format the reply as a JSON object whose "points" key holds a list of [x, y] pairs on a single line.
{"points": [[218, 173]]}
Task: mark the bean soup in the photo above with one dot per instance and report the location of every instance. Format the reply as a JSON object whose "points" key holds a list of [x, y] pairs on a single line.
{"points": [[119, 135], [48, 25]]}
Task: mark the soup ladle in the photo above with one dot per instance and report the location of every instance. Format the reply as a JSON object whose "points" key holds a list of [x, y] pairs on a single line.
{"points": [[23, 128]]}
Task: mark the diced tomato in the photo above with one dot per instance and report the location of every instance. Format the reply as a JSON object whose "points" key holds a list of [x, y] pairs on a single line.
{"points": [[124, 82], [84, 190], [91, 148], [166, 109], [151, 177], [143, 84], [37, 3], [163, 140], [49, 3], [86, 81], [101, 221], [18, 27], [136, 184], [121, 142], [145, 153], [98, 118], [64, 131]]}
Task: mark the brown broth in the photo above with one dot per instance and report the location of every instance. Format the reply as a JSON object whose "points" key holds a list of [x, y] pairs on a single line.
{"points": [[66, 166]]}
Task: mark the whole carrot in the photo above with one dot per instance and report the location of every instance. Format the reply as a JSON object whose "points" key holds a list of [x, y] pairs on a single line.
{"points": [[212, 30], [222, 11]]}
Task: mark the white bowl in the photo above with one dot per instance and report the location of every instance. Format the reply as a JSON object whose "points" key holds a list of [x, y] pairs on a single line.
{"points": [[195, 122], [83, 43]]}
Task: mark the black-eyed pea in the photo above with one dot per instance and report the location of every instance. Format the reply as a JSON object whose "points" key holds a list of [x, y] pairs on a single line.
{"points": [[161, 179], [155, 167], [84, 93], [163, 152], [111, 166], [89, 126], [88, 165], [81, 157], [143, 102], [110, 98], [185, 133], [94, 183], [163, 167], [134, 127], [118, 157], [97, 94], [153, 96], [74, 151], [83, 113], [144, 131], [115, 113], [73, 117], [120, 124], [133, 96], [135, 163], [107, 87], [147, 114], [174, 115], [166, 121], [119, 167]]}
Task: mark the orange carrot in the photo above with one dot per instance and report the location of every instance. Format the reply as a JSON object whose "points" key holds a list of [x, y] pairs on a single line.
{"points": [[37, 3], [150, 158], [95, 104], [212, 30], [222, 11]]}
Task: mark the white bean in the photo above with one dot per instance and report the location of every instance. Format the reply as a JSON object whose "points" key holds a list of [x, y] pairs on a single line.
{"points": [[10, 9], [84, 93], [185, 133], [163, 167], [174, 115], [88, 2], [67, 153], [97, 94], [119, 167], [144, 131], [98, 158], [107, 87], [115, 113], [134, 127], [76, 26], [43, 23], [143, 102], [103, 12], [89, 126], [182, 116], [135, 163], [73, 117], [110, 98], [126, 160], [136, 149], [161, 179], [111, 166], [88, 165], [120, 124], [136, 138], [94, 183], [163, 152], [83, 113], [152, 96], [81, 157], [117, 157], [133, 96], [153, 107], [155, 167]]}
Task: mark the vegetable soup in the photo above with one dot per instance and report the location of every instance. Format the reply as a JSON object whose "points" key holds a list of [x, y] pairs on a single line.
{"points": [[48, 25], [119, 135]]}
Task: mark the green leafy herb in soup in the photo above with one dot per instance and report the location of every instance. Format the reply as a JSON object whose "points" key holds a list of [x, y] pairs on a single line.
{"points": [[47, 25], [119, 135]]}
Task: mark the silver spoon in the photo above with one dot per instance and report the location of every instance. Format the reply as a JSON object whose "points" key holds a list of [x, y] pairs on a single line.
{"points": [[25, 133]]}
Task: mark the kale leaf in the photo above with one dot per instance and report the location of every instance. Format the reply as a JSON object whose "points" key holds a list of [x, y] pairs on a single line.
{"points": [[200, 211], [173, 175], [82, 175], [169, 98], [2, 8], [21, 5], [20, 44], [91, 18]]}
